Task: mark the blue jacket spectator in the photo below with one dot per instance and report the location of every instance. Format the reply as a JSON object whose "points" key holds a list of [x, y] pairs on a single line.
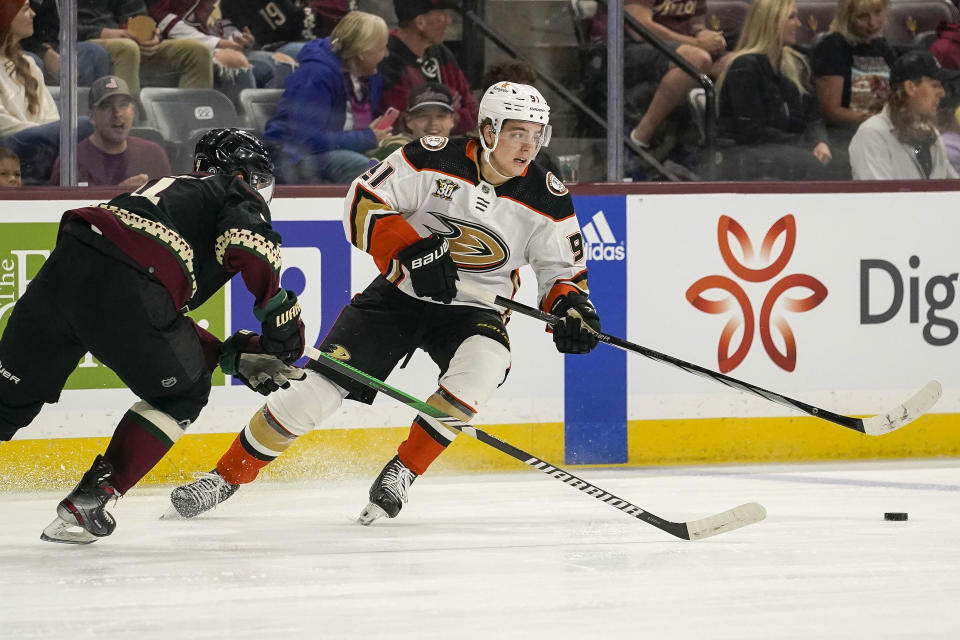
{"points": [[324, 122]]}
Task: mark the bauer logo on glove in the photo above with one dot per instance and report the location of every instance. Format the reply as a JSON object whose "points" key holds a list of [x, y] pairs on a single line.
{"points": [[433, 273]]}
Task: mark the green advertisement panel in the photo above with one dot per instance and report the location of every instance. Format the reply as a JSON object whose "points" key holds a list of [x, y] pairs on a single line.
{"points": [[24, 247]]}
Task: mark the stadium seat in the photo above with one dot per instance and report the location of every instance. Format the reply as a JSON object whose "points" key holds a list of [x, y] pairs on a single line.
{"points": [[914, 22], [148, 133], [183, 115], [726, 16], [83, 95], [815, 18], [259, 105]]}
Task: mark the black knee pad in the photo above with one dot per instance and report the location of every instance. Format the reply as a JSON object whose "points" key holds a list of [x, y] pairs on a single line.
{"points": [[186, 405]]}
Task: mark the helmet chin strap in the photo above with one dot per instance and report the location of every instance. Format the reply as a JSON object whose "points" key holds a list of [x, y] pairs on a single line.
{"points": [[489, 150], [487, 160]]}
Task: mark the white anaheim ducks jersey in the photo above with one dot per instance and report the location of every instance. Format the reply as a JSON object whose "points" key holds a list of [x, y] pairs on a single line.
{"points": [[433, 186]]}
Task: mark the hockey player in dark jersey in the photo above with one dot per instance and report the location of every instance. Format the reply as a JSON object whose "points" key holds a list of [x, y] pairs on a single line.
{"points": [[117, 284], [433, 212]]}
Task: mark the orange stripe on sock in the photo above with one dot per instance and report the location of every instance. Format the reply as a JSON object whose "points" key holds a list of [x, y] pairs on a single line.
{"points": [[237, 466], [419, 450]]}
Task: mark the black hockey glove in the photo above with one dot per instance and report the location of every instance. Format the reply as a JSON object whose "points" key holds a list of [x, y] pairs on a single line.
{"points": [[242, 357], [433, 273], [577, 330], [281, 328]]}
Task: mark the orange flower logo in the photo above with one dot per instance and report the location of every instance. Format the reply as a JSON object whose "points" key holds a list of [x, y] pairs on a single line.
{"points": [[770, 313]]}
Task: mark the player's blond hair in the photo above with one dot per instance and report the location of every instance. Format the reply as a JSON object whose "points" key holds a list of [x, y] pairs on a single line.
{"points": [[762, 33], [357, 32], [843, 16]]}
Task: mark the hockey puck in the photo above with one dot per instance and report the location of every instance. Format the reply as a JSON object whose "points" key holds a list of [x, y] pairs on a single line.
{"points": [[895, 515]]}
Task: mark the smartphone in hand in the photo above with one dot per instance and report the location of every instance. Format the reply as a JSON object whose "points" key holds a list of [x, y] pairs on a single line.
{"points": [[388, 118]]}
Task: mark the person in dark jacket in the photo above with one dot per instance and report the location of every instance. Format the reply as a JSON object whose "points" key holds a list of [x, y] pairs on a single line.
{"points": [[324, 122], [417, 55], [118, 284], [767, 105], [286, 25]]}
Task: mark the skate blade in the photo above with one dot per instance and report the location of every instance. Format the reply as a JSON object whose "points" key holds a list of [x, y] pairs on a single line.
{"points": [[171, 514], [60, 531], [370, 513]]}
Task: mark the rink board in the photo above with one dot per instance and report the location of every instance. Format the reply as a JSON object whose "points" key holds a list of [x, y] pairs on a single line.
{"points": [[843, 300]]}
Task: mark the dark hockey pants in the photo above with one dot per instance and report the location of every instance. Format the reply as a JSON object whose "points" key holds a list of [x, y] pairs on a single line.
{"points": [[85, 300]]}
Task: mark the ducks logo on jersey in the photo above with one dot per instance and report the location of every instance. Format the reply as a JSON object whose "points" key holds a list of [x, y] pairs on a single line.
{"points": [[472, 246], [338, 351]]}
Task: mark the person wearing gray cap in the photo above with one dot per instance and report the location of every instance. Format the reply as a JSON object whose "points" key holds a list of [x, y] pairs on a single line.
{"points": [[902, 141], [111, 156], [430, 112]]}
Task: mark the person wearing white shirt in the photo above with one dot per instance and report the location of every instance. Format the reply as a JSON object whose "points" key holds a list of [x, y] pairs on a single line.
{"points": [[902, 141], [29, 120]]}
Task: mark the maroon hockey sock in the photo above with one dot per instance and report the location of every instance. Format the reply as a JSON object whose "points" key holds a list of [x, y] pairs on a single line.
{"points": [[136, 447], [422, 446]]}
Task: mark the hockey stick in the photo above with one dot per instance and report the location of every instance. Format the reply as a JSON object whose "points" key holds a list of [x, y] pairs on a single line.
{"points": [[877, 425], [735, 518]]}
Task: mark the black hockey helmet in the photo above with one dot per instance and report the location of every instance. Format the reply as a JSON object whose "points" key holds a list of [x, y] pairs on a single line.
{"points": [[232, 151]]}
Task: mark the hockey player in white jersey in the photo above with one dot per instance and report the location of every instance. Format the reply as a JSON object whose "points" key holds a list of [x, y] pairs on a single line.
{"points": [[435, 211]]}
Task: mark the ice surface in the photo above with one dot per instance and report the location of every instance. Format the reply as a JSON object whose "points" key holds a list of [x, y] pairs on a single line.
{"points": [[507, 556]]}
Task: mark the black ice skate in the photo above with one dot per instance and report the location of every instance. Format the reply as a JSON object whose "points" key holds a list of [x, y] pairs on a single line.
{"points": [[388, 492], [85, 508], [205, 492]]}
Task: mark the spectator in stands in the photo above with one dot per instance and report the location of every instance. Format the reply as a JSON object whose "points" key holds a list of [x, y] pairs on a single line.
{"points": [[189, 61], [29, 120], [9, 168], [324, 122], [902, 142], [851, 64], [418, 55], [287, 25], [946, 48], [767, 104], [948, 118], [93, 61], [236, 64], [111, 156], [680, 23], [429, 113]]}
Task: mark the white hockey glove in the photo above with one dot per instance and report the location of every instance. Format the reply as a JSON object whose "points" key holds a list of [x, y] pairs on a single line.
{"points": [[242, 357]]}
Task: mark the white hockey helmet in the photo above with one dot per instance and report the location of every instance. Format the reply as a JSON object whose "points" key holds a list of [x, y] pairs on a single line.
{"points": [[511, 101]]}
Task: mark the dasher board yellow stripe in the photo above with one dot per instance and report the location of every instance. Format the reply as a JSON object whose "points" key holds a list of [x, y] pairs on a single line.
{"points": [[44, 464]]}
